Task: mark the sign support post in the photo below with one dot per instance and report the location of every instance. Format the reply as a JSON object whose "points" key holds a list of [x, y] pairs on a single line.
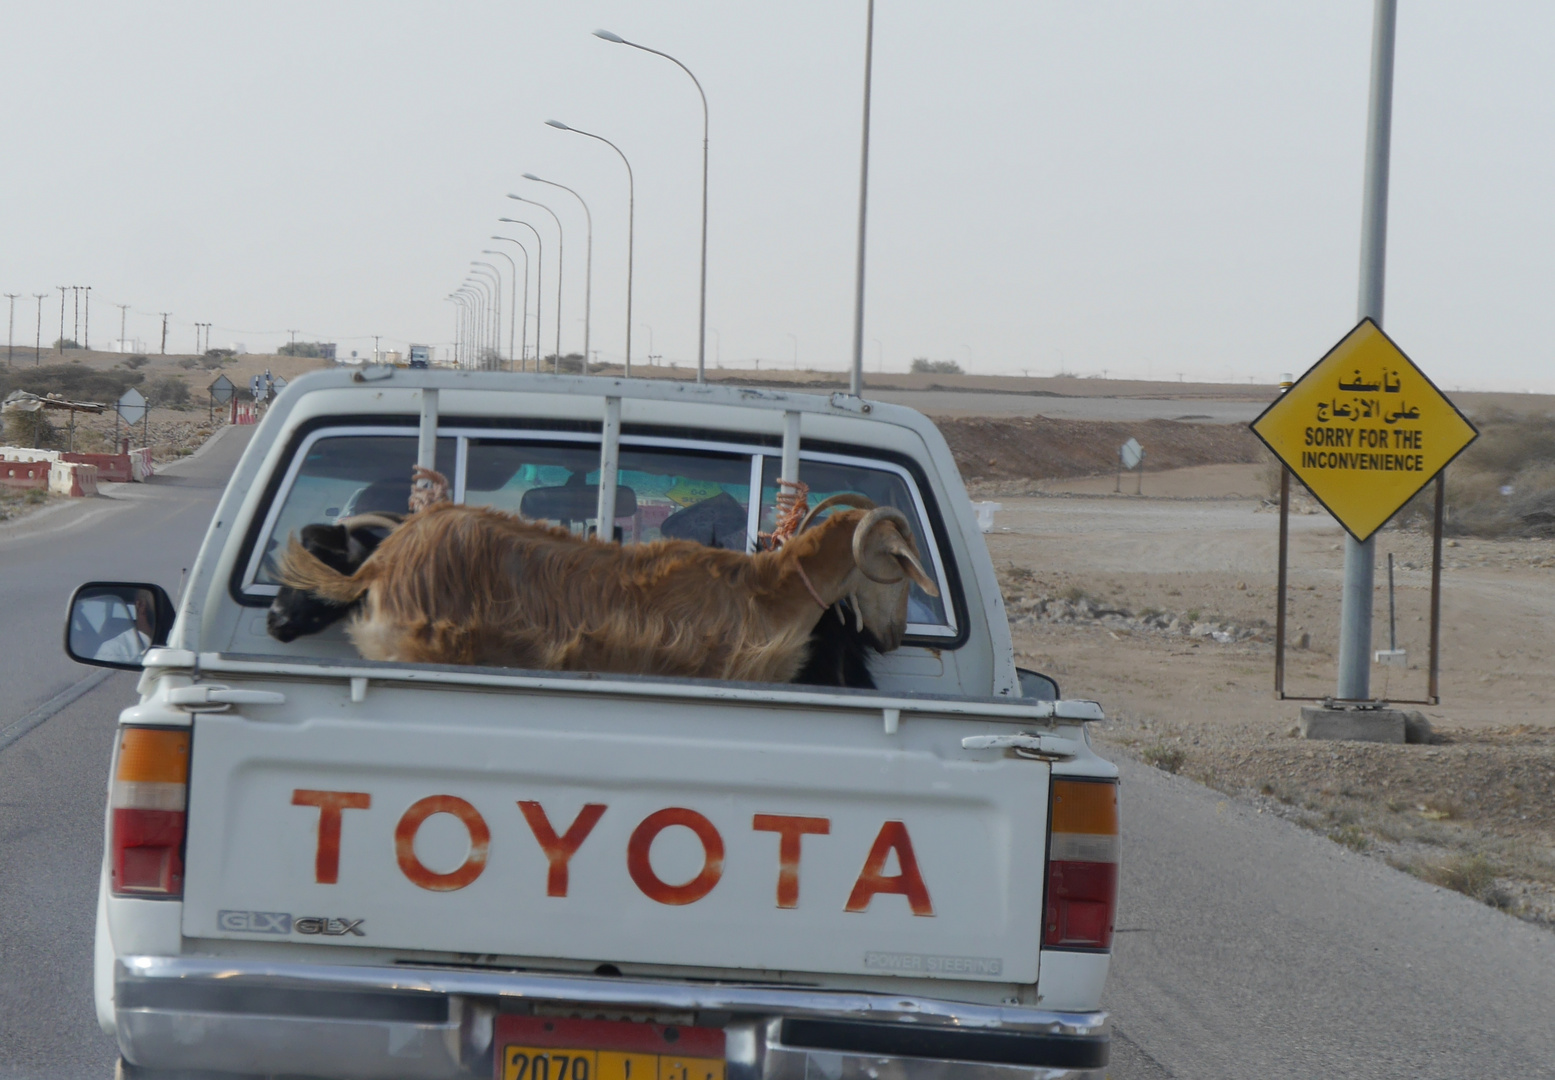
{"points": [[1360, 556]]}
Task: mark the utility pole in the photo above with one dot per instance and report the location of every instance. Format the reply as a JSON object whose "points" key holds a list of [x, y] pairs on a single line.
{"points": [[164, 315], [11, 327], [122, 309], [375, 348], [61, 342], [1360, 559], [856, 375], [75, 329], [86, 328], [293, 333], [37, 343]]}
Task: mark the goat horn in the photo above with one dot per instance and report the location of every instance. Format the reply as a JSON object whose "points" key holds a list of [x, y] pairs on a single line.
{"points": [[904, 554], [845, 498], [870, 522]]}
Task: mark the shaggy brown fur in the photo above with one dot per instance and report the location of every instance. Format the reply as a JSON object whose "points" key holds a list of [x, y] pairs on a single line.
{"points": [[471, 585]]}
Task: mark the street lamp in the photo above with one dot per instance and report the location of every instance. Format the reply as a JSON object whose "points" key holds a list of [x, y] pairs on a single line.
{"points": [[557, 367], [512, 299], [488, 298], [631, 214], [539, 280], [523, 342], [458, 301], [856, 378], [470, 303], [497, 301], [606, 35], [588, 264], [477, 306]]}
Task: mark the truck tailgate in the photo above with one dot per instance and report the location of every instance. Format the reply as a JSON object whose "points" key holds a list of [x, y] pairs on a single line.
{"points": [[616, 829]]}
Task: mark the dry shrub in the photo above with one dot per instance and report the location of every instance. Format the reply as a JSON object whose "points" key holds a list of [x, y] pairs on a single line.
{"points": [[1515, 454], [1472, 875], [33, 430], [1166, 758]]}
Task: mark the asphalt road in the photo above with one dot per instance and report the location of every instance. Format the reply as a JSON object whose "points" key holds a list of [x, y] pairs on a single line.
{"points": [[1247, 946], [56, 734]]}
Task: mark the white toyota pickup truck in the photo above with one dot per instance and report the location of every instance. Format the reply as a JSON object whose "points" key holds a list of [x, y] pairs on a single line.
{"points": [[321, 866]]}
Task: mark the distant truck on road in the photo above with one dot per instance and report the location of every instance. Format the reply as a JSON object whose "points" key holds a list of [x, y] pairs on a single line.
{"points": [[318, 865], [420, 356]]}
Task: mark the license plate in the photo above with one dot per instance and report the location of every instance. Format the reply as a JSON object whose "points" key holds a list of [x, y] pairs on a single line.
{"points": [[544, 1048]]}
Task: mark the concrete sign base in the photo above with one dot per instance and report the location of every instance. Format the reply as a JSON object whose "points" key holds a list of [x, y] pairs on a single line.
{"points": [[1357, 725]]}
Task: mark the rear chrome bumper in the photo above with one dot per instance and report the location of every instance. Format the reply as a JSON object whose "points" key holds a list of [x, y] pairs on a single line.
{"points": [[246, 1018]]}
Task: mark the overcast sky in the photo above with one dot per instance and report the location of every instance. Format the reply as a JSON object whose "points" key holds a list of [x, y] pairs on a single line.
{"points": [[1149, 189]]}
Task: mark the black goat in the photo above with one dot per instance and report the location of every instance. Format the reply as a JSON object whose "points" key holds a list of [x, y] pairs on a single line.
{"points": [[342, 547], [840, 655]]}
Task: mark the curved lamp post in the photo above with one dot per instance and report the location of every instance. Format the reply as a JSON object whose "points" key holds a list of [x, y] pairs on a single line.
{"points": [[497, 270], [606, 35], [559, 245], [588, 264], [512, 297], [496, 302], [539, 280], [471, 305], [523, 341], [461, 326], [477, 320], [481, 287], [631, 228]]}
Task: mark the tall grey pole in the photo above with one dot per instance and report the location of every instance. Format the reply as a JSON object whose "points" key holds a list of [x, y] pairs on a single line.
{"points": [[122, 309], [588, 264], [702, 308], [539, 282], [631, 228], [1360, 559], [37, 341], [512, 298], [523, 333], [11, 329], [557, 366], [496, 302], [856, 380]]}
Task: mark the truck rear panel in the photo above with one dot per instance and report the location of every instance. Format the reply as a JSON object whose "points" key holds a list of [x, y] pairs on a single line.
{"points": [[594, 827]]}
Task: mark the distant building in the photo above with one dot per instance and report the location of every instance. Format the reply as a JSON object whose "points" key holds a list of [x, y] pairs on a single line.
{"points": [[327, 350], [127, 345]]}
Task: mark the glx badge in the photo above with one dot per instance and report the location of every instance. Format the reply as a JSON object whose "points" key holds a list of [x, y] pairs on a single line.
{"points": [[281, 922]]}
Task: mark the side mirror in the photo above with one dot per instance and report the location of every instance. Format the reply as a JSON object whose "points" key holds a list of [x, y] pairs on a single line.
{"points": [[1036, 686], [113, 623]]}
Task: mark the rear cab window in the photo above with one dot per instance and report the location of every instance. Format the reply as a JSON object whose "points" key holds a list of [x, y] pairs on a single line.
{"points": [[716, 493]]}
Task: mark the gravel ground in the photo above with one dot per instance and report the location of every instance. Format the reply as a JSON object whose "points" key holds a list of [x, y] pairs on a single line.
{"points": [[1162, 610]]}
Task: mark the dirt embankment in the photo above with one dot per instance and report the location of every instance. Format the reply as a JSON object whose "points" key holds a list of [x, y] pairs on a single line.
{"points": [[1036, 447]]}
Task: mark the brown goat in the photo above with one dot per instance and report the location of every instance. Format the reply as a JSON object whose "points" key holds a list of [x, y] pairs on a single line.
{"points": [[470, 585]]}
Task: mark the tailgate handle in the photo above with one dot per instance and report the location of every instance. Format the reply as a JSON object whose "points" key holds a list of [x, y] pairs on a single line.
{"points": [[219, 698], [1046, 747]]}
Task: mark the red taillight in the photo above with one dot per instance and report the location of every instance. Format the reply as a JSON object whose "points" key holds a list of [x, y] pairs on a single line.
{"points": [[150, 788], [1082, 873]]}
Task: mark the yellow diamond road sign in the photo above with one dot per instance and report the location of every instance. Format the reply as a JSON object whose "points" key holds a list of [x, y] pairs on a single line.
{"points": [[1364, 430]]}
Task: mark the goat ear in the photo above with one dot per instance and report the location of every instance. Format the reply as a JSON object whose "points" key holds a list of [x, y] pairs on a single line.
{"points": [[912, 567]]}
